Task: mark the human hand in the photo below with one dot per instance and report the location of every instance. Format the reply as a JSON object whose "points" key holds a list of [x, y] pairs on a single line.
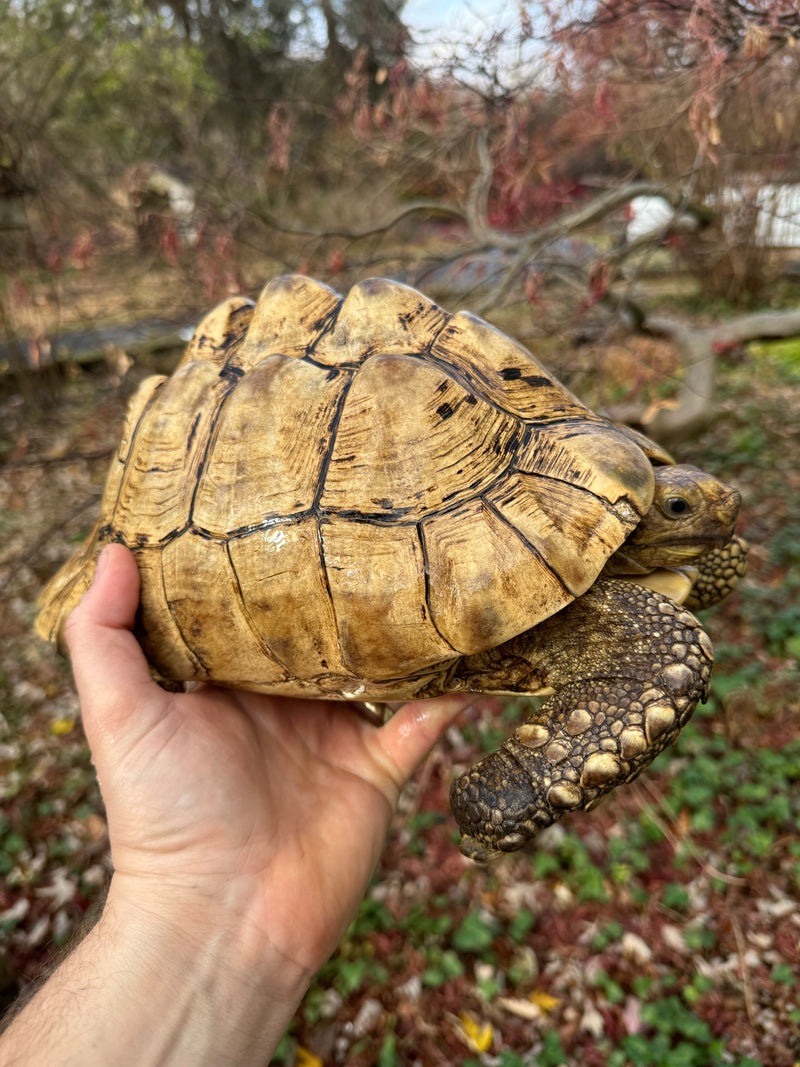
{"points": [[228, 807], [244, 829]]}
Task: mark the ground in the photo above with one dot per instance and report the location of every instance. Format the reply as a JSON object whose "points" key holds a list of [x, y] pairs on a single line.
{"points": [[661, 929]]}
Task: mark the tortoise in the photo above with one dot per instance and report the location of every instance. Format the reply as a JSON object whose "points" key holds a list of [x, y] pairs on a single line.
{"points": [[373, 500]]}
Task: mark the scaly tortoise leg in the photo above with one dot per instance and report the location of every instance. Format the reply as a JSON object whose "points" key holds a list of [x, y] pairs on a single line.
{"points": [[627, 667], [720, 571]]}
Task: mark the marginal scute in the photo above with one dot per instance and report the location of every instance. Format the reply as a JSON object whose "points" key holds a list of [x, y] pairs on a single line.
{"points": [[285, 594], [292, 312], [569, 527], [159, 479], [594, 455], [207, 609], [376, 578], [220, 332], [63, 592], [502, 370], [163, 642], [480, 598], [380, 316]]}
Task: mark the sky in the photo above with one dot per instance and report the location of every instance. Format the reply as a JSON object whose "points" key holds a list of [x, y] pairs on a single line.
{"points": [[436, 24]]}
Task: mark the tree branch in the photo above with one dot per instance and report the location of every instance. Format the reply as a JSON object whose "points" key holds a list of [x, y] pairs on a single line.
{"points": [[432, 207], [699, 347]]}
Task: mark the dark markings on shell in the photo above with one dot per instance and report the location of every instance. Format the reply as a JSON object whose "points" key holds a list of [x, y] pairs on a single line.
{"points": [[510, 374], [203, 534], [231, 371], [474, 384], [330, 437], [394, 517], [338, 369], [192, 432], [444, 411], [427, 576], [268, 652], [210, 440], [528, 544], [324, 325]]}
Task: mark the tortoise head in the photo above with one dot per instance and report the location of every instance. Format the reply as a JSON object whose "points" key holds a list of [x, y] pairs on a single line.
{"points": [[691, 513]]}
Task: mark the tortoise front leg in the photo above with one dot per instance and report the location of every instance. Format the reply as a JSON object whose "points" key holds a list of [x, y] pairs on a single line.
{"points": [[627, 667], [719, 572]]}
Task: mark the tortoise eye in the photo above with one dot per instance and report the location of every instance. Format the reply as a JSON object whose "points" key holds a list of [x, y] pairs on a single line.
{"points": [[675, 506]]}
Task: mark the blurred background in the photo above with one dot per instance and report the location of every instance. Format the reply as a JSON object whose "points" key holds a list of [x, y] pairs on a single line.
{"points": [[614, 183]]}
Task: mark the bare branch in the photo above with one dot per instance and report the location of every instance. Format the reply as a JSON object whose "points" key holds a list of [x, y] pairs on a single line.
{"points": [[699, 348], [432, 207]]}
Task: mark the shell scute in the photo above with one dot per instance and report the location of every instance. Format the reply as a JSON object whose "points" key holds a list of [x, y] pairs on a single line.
{"points": [[569, 527], [220, 332], [594, 455], [284, 589], [292, 312], [502, 371], [408, 436], [380, 316], [485, 583], [159, 479], [269, 445], [376, 576], [208, 611]]}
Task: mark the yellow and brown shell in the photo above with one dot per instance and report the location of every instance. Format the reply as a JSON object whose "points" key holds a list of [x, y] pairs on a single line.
{"points": [[339, 497]]}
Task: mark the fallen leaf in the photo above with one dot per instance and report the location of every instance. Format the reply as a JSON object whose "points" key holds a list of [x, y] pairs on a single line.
{"points": [[476, 1036], [59, 727], [305, 1058], [521, 1007], [543, 1000]]}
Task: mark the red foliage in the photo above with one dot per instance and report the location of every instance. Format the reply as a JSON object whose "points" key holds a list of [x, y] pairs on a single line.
{"points": [[169, 242], [336, 261], [83, 251], [54, 259]]}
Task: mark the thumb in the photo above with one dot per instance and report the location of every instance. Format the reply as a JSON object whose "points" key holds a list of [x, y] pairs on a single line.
{"points": [[111, 672], [414, 729]]}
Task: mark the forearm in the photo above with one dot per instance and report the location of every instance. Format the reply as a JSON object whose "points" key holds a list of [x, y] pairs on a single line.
{"points": [[139, 990]]}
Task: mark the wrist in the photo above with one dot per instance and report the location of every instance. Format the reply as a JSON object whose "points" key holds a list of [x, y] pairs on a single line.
{"points": [[143, 988], [225, 992]]}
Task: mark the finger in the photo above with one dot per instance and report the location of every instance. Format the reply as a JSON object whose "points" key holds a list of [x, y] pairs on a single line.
{"points": [[111, 672], [414, 729]]}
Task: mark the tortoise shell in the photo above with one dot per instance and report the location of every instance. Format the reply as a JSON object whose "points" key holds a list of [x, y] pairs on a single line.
{"points": [[339, 497]]}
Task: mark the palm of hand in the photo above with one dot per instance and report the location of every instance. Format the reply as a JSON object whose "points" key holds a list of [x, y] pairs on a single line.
{"points": [[280, 804]]}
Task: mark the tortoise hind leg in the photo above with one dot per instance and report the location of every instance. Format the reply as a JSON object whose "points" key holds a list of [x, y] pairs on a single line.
{"points": [[627, 667]]}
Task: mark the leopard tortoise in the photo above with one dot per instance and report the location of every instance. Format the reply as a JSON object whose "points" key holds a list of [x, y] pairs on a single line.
{"points": [[374, 500]]}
